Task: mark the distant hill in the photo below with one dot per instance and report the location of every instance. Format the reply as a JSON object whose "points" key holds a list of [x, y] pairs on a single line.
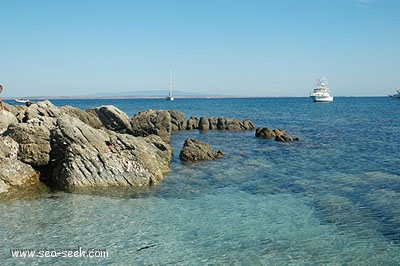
{"points": [[152, 93]]}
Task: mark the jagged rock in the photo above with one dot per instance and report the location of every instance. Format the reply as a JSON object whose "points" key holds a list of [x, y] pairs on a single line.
{"points": [[112, 118], [85, 157], [277, 134], [192, 123], [6, 119], [196, 150], [156, 122], [178, 120]]}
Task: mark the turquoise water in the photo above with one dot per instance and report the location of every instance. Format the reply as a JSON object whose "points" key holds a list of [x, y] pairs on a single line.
{"points": [[333, 198]]}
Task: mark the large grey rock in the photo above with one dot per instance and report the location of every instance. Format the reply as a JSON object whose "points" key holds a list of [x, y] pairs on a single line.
{"points": [[197, 150], [178, 120], [6, 119], [112, 118], [85, 157], [152, 122]]}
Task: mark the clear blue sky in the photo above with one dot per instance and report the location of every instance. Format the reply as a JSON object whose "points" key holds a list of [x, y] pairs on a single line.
{"points": [[244, 48]]}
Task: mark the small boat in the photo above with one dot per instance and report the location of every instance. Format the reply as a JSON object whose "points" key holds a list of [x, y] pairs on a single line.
{"points": [[321, 92], [22, 100], [170, 97], [395, 96]]}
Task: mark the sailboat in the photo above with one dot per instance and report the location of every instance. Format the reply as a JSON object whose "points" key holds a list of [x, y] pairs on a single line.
{"points": [[169, 96]]}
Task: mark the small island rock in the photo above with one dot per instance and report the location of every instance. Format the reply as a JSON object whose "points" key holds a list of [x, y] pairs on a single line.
{"points": [[197, 150]]}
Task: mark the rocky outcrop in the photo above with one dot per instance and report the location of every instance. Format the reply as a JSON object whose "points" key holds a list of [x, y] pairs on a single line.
{"points": [[277, 134], [85, 157], [197, 150], [152, 122], [75, 149]]}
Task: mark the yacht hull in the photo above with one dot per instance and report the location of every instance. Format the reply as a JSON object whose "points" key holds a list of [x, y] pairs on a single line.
{"points": [[322, 98]]}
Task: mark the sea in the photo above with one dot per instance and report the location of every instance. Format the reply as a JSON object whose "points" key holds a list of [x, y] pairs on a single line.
{"points": [[331, 198]]}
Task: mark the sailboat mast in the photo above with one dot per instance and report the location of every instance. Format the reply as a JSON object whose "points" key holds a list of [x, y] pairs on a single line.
{"points": [[170, 80]]}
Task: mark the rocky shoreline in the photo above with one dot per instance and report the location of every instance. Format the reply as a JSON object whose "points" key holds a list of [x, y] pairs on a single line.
{"points": [[69, 149]]}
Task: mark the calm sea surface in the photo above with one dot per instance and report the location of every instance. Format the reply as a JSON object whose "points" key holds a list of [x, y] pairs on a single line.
{"points": [[333, 198]]}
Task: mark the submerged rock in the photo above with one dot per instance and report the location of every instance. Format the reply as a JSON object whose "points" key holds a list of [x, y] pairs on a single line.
{"points": [[277, 134], [197, 150]]}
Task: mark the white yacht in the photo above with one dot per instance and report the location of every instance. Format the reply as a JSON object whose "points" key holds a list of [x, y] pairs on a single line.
{"points": [[395, 96], [21, 100], [170, 97], [321, 92]]}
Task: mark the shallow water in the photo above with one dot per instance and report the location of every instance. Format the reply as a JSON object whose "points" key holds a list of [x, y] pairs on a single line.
{"points": [[332, 198]]}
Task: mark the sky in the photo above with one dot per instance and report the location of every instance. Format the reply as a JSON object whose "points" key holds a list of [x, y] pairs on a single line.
{"points": [[256, 48]]}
